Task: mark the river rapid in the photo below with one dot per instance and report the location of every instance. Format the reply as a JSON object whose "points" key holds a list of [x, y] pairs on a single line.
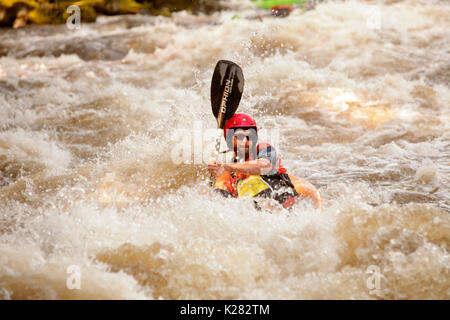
{"points": [[105, 132]]}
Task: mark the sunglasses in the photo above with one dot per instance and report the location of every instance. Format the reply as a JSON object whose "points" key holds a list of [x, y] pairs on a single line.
{"points": [[241, 136]]}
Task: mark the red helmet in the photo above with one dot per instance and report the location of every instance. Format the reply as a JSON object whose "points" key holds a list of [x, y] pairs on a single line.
{"points": [[239, 120]]}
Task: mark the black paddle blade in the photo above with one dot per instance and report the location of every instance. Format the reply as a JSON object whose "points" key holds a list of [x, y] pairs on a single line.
{"points": [[227, 85]]}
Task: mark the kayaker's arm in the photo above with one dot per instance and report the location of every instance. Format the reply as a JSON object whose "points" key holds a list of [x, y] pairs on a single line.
{"points": [[259, 166]]}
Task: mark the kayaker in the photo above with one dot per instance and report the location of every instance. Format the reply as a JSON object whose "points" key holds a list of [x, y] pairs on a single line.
{"points": [[256, 169]]}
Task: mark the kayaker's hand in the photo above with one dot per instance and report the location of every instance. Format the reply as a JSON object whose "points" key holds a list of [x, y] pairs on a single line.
{"points": [[215, 168]]}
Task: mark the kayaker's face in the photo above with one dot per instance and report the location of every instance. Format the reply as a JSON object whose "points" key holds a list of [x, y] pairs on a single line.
{"points": [[242, 142]]}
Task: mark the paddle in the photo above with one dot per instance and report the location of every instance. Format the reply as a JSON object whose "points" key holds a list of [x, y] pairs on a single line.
{"points": [[227, 85]]}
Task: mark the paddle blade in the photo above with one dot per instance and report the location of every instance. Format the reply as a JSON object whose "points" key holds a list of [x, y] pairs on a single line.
{"points": [[227, 85]]}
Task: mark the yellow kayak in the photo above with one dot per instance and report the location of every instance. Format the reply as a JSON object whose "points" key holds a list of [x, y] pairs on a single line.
{"points": [[254, 185]]}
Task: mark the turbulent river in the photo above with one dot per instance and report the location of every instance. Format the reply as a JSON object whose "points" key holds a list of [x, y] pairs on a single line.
{"points": [[105, 132]]}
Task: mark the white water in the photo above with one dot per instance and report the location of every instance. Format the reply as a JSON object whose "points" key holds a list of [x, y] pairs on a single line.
{"points": [[92, 122]]}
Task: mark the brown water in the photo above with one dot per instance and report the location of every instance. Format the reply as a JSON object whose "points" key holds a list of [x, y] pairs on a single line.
{"points": [[94, 124]]}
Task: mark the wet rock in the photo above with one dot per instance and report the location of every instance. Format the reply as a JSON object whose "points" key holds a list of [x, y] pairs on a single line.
{"points": [[18, 13]]}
